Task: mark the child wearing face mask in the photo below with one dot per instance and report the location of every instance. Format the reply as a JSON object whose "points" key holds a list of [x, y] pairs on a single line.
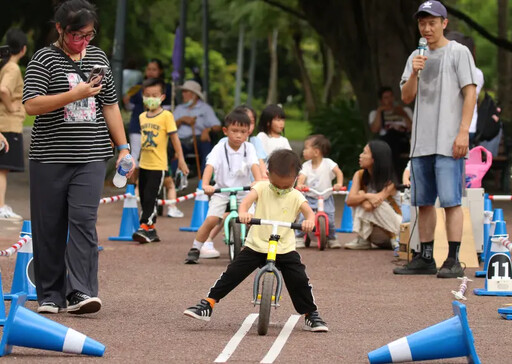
{"points": [[271, 128], [157, 126], [276, 200]]}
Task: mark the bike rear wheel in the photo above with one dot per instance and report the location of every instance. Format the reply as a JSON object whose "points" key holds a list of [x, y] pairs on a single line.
{"points": [[267, 290], [235, 239], [322, 227]]}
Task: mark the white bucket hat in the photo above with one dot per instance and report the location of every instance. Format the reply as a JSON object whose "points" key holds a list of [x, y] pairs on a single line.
{"points": [[192, 86]]}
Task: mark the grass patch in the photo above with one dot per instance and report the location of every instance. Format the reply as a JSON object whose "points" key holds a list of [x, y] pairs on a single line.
{"points": [[29, 120], [297, 129]]}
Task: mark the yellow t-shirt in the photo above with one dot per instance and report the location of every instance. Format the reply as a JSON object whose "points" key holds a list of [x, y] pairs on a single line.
{"points": [[154, 132], [10, 78], [270, 206]]}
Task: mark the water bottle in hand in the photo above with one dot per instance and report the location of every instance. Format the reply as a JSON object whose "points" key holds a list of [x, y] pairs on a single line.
{"points": [[124, 167]]}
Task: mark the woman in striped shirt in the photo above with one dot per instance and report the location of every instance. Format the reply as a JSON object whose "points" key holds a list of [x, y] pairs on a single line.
{"points": [[68, 154]]}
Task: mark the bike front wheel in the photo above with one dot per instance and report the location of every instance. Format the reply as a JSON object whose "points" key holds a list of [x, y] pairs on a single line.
{"points": [[235, 239], [322, 238], [267, 290]]}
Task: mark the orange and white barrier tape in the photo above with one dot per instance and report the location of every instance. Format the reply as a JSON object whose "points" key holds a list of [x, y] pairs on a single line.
{"points": [[500, 197], [503, 241], [17, 246], [115, 198], [181, 199]]}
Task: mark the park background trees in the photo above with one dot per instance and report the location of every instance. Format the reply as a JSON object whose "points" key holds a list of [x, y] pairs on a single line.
{"points": [[310, 56]]}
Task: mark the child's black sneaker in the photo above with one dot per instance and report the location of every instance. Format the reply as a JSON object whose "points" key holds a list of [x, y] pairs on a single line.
{"points": [[313, 322], [417, 265], [153, 236], [202, 311], [142, 236], [80, 303], [192, 256], [451, 268]]}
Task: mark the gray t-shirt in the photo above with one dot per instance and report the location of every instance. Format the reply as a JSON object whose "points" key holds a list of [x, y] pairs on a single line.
{"points": [[438, 107]]}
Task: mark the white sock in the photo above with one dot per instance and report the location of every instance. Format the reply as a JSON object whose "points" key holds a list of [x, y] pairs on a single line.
{"points": [[197, 244]]}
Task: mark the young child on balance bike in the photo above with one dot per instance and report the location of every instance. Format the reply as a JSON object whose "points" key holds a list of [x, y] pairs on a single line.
{"points": [[276, 200]]}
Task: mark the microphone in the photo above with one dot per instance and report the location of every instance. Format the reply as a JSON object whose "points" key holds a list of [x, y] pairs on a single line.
{"points": [[422, 47]]}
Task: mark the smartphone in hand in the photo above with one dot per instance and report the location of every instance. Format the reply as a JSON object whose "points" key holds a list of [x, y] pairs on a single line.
{"points": [[97, 74]]}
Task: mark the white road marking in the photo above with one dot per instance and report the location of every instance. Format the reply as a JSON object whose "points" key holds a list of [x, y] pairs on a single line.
{"points": [[236, 339], [281, 340]]}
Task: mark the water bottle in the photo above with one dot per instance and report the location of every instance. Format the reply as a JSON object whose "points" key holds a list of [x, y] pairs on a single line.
{"points": [[2, 147], [124, 167]]}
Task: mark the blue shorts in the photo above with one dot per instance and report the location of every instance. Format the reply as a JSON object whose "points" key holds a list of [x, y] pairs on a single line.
{"points": [[435, 176]]}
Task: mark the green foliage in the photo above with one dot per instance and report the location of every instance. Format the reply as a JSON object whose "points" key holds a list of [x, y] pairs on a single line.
{"points": [[342, 124], [297, 129]]}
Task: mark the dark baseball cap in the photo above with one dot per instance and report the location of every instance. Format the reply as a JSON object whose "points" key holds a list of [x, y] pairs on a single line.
{"points": [[432, 7]]}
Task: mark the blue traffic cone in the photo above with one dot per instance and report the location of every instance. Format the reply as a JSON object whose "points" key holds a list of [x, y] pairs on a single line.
{"points": [[347, 224], [26, 328], [23, 280], [129, 219], [448, 339], [498, 279], [497, 215], [505, 312], [2, 303], [200, 211]]}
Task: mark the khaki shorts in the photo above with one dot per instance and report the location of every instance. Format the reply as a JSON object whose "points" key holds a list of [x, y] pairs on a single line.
{"points": [[219, 204]]}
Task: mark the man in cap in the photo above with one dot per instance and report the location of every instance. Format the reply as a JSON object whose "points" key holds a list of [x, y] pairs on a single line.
{"points": [[443, 84], [195, 114]]}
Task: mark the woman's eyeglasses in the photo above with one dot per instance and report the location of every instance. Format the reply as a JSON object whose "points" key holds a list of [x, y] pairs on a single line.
{"points": [[77, 37]]}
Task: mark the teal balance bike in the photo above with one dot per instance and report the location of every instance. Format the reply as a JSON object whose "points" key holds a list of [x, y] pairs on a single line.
{"points": [[234, 234]]}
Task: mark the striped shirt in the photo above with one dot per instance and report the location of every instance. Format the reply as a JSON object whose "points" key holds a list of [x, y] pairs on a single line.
{"points": [[77, 132]]}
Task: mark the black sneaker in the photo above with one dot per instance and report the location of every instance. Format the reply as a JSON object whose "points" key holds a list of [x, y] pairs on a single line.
{"points": [[49, 307], [313, 322], [80, 303], [417, 266], [192, 256], [153, 236], [202, 311], [451, 269], [142, 236]]}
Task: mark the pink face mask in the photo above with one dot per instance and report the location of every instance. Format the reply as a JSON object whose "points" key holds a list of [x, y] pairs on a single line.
{"points": [[75, 47]]}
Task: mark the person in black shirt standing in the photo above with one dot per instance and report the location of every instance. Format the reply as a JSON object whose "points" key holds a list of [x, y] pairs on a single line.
{"points": [[70, 146]]}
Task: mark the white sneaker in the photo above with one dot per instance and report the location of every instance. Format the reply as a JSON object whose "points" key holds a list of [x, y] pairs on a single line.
{"points": [[6, 213], [299, 242], [358, 244], [173, 211], [334, 244], [208, 251]]}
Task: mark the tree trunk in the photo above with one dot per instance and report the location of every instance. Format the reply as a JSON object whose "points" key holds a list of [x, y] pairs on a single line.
{"points": [[272, 82], [252, 72], [372, 44], [328, 63], [306, 80], [504, 63], [239, 64]]}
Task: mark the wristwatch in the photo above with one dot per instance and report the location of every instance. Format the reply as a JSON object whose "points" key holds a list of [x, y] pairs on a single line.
{"points": [[124, 146]]}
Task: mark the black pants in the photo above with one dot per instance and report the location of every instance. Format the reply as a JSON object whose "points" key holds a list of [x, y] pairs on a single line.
{"points": [[291, 267], [64, 200], [150, 184]]}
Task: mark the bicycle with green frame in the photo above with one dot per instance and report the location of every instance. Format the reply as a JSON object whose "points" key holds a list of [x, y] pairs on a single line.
{"points": [[234, 234], [269, 275]]}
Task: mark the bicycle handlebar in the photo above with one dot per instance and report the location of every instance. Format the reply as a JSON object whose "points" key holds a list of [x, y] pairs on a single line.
{"points": [[291, 225], [232, 189]]}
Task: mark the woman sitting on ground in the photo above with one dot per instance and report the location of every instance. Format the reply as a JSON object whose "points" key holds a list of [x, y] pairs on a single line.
{"points": [[375, 200]]}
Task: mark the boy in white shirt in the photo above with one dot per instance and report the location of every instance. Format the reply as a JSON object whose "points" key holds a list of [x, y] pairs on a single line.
{"points": [[232, 162], [317, 173]]}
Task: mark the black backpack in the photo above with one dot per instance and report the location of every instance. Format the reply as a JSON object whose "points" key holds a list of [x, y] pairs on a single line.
{"points": [[486, 127]]}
